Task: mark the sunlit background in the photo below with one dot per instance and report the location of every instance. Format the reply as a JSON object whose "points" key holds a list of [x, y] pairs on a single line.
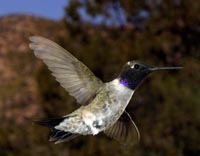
{"points": [[53, 9], [104, 35]]}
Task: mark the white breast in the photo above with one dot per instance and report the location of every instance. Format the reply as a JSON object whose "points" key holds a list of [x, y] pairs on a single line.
{"points": [[121, 92], [120, 96]]}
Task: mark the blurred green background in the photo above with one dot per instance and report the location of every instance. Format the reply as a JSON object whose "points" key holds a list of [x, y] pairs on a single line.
{"points": [[104, 35]]}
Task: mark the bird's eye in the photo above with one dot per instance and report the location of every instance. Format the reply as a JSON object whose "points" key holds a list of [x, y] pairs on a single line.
{"points": [[136, 66]]}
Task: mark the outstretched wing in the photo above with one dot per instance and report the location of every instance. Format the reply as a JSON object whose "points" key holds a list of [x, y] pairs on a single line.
{"points": [[72, 74], [124, 130]]}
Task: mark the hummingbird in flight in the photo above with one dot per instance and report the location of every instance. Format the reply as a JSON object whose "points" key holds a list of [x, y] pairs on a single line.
{"points": [[103, 105]]}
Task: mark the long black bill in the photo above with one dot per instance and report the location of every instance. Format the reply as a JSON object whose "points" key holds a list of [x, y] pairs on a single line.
{"points": [[165, 68]]}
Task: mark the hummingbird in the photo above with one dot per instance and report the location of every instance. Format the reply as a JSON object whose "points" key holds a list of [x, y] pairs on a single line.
{"points": [[103, 105]]}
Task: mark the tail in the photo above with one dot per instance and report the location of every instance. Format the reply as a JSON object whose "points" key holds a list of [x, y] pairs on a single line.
{"points": [[56, 135]]}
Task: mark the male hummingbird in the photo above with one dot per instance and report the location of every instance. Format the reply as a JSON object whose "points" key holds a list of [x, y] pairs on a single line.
{"points": [[103, 104]]}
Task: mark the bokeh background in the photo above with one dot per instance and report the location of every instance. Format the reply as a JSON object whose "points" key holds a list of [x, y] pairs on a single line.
{"points": [[103, 35]]}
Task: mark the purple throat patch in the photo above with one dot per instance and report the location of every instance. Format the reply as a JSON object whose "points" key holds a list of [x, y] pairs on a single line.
{"points": [[124, 82]]}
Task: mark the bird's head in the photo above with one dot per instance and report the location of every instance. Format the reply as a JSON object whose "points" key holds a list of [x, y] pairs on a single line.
{"points": [[134, 72]]}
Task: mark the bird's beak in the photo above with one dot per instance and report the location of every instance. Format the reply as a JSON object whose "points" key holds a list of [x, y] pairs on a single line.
{"points": [[164, 68]]}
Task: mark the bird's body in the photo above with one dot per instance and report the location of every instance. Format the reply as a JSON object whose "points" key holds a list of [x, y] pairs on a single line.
{"points": [[103, 104], [101, 113]]}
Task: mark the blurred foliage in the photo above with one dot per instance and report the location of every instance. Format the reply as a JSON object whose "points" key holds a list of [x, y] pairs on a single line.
{"points": [[165, 108]]}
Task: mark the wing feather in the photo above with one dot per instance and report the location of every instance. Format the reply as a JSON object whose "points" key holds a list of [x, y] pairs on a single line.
{"points": [[72, 74], [124, 130]]}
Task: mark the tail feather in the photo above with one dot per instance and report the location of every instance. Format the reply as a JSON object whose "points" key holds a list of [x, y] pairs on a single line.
{"points": [[50, 122], [56, 135]]}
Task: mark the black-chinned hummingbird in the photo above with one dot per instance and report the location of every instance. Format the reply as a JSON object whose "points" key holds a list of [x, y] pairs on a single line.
{"points": [[103, 104]]}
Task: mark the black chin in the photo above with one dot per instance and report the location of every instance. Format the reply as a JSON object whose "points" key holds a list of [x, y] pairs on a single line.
{"points": [[133, 79]]}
